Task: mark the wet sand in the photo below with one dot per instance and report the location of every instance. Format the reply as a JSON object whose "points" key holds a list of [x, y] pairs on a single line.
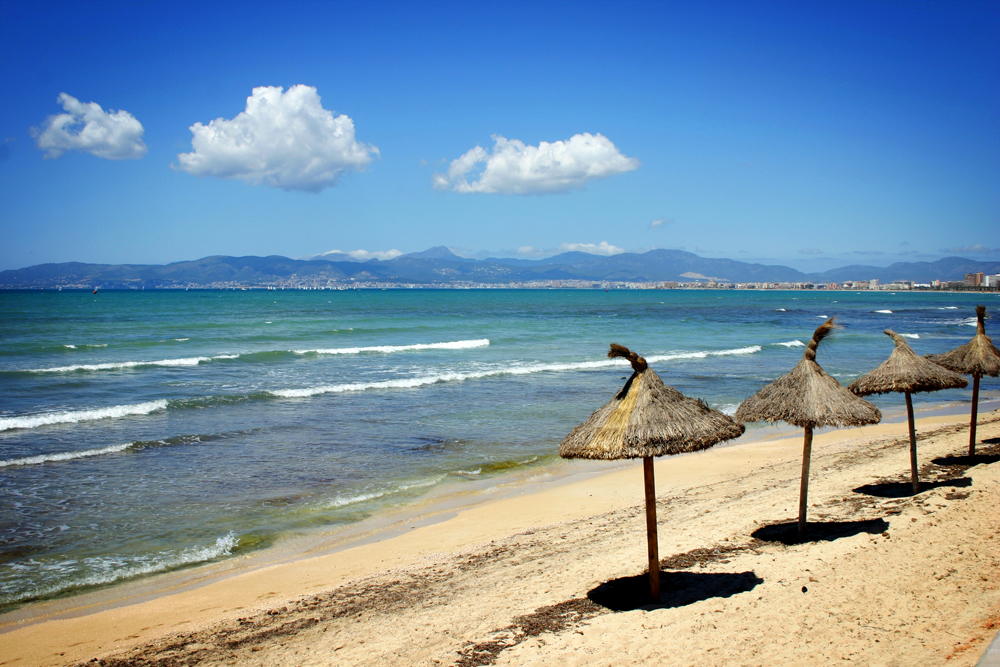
{"points": [[552, 574]]}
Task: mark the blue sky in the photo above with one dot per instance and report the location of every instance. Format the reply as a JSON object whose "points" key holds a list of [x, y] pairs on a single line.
{"points": [[806, 134]]}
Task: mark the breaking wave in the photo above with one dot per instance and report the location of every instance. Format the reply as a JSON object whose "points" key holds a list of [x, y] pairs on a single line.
{"points": [[66, 456], [527, 369], [101, 570], [388, 349], [74, 416]]}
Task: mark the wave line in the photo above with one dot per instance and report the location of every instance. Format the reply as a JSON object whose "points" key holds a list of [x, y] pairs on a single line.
{"points": [[74, 416], [423, 381]]}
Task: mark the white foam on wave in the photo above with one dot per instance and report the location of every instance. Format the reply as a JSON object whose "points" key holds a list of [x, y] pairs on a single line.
{"points": [[353, 499], [949, 308], [341, 501], [108, 569], [780, 310], [883, 311], [121, 365], [388, 349], [792, 343], [527, 369], [823, 317], [72, 347], [65, 456], [703, 355], [181, 340], [910, 335], [74, 416]]}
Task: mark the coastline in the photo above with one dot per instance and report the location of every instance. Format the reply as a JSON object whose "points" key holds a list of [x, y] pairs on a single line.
{"points": [[479, 529]]}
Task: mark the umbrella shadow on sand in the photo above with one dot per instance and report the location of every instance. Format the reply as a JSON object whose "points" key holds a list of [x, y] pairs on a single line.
{"points": [[818, 531], [905, 489], [990, 454], [679, 589]]}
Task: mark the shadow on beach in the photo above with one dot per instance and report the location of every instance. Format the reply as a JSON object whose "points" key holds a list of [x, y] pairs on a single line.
{"points": [[826, 531], [967, 461], [678, 589], [905, 489]]}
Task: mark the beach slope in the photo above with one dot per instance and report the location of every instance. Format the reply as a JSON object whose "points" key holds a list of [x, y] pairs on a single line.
{"points": [[550, 576]]}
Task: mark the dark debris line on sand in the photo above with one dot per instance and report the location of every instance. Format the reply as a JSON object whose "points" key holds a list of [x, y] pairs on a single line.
{"points": [[550, 619]]}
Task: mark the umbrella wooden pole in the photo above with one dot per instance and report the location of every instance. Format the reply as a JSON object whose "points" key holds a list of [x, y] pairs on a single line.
{"points": [[804, 488], [975, 414], [913, 444], [651, 539]]}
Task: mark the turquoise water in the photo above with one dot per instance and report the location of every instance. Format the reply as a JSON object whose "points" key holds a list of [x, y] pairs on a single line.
{"points": [[146, 431]]}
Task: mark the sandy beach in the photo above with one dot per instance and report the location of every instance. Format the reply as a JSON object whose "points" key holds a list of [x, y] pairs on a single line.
{"points": [[551, 574]]}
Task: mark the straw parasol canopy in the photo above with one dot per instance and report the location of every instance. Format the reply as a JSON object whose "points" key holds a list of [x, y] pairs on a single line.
{"points": [[977, 358], [905, 372], [646, 419], [809, 398]]}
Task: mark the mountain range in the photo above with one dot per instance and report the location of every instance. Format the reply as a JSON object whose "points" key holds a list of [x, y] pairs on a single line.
{"points": [[440, 266]]}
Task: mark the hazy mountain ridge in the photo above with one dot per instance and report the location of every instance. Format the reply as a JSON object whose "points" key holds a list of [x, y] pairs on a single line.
{"points": [[440, 266]]}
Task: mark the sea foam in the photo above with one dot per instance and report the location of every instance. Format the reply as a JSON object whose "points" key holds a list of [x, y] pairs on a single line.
{"points": [[527, 369], [108, 569], [74, 416], [66, 456], [388, 349]]}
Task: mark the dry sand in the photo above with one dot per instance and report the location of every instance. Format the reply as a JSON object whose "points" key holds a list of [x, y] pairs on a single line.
{"points": [[884, 578]]}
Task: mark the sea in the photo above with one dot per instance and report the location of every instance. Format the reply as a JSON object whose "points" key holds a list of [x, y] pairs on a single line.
{"points": [[149, 431]]}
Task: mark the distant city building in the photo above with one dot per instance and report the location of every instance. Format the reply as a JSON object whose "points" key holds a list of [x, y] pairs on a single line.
{"points": [[974, 279]]}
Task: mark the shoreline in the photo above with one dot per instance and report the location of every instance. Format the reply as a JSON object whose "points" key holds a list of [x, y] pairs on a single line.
{"points": [[437, 506], [130, 615]]}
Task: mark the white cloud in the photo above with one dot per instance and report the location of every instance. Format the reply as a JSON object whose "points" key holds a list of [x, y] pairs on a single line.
{"points": [[659, 222], [602, 248], [978, 248], [113, 135], [363, 255], [517, 169], [284, 140]]}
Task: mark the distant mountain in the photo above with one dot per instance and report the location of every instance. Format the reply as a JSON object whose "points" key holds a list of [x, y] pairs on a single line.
{"points": [[440, 266], [437, 252]]}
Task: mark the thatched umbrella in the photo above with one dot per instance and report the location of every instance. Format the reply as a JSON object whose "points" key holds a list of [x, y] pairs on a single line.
{"points": [[906, 372], [646, 419], [977, 358], [809, 398]]}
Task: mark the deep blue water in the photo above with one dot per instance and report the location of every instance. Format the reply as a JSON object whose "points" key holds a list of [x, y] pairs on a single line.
{"points": [[145, 431]]}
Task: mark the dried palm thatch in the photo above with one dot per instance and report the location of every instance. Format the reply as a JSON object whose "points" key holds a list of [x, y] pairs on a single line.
{"points": [[977, 358], [905, 372], [809, 398], [646, 419]]}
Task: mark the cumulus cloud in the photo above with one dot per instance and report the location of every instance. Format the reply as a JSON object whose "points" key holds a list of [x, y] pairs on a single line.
{"points": [[113, 135], [659, 222], [978, 248], [514, 168], [283, 139], [364, 255], [602, 248]]}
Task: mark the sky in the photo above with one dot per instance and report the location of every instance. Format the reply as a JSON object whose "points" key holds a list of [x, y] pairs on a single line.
{"points": [[813, 135]]}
